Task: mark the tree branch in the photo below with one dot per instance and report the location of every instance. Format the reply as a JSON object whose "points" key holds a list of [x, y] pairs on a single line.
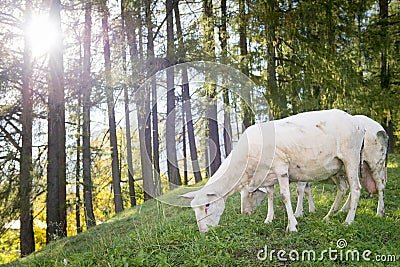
{"points": [[176, 2], [10, 138]]}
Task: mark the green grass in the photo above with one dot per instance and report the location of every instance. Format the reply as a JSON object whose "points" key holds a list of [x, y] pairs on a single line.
{"points": [[157, 234]]}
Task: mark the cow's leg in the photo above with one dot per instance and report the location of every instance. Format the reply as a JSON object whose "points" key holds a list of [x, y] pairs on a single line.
{"points": [[346, 206], [380, 211], [283, 180], [270, 195], [341, 187], [380, 187], [379, 176], [300, 195], [311, 206], [374, 182], [354, 183]]}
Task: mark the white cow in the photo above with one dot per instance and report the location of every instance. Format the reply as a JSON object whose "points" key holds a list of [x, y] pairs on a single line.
{"points": [[311, 146], [373, 175]]}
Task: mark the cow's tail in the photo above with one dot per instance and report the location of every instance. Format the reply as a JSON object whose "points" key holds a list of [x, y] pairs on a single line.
{"points": [[361, 165], [386, 163]]}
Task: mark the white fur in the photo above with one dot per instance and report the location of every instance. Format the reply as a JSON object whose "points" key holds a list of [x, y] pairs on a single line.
{"points": [[373, 154], [312, 146]]}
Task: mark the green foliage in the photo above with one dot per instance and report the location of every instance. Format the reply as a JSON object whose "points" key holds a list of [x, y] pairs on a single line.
{"points": [[9, 245], [328, 55], [155, 234]]}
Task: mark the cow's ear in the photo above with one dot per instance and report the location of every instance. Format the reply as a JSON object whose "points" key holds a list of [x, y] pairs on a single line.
{"points": [[251, 189], [262, 189], [189, 195]]}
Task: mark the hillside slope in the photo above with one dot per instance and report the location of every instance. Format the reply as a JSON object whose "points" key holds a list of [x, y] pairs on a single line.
{"points": [[157, 234]]}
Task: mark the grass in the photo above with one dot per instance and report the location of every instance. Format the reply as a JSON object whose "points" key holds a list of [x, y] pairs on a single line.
{"points": [[157, 234]]}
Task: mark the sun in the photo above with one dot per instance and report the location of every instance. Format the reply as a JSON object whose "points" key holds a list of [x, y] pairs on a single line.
{"points": [[41, 34]]}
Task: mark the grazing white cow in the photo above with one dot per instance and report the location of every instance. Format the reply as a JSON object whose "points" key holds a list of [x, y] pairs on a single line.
{"points": [[311, 146], [373, 175]]}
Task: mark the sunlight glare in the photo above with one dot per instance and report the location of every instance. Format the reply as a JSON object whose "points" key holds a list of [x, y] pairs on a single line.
{"points": [[42, 35]]}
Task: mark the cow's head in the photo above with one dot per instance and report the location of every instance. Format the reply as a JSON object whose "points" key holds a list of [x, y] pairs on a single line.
{"points": [[251, 198], [208, 207]]}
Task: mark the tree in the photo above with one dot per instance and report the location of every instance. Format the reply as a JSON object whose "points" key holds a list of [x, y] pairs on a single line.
{"points": [[385, 67], [78, 175], [247, 113], [279, 106], [209, 47], [86, 92], [150, 71], [116, 176], [131, 180], [142, 101], [56, 168], [174, 177], [223, 37], [27, 242], [186, 103]]}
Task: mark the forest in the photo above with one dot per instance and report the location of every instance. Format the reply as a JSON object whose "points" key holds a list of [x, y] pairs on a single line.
{"points": [[107, 104]]}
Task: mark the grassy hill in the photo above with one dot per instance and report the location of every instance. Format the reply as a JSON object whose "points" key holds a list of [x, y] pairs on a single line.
{"points": [[157, 234]]}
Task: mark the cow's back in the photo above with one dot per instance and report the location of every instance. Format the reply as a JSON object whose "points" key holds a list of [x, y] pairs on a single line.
{"points": [[315, 144]]}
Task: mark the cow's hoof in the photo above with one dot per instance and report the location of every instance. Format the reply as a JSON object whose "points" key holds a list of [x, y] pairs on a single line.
{"points": [[346, 223], [291, 229], [326, 218], [298, 214], [268, 220]]}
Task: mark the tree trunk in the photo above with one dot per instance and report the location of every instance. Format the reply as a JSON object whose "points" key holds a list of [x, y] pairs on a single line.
{"points": [[78, 172], [150, 187], [186, 104], [185, 165], [145, 151], [145, 154], [209, 47], [174, 177], [384, 73], [131, 180], [116, 176], [87, 88], [142, 100], [270, 22], [223, 37], [156, 143], [56, 168], [154, 107], [27, 241], [207, 154], [187, 109], [247, 113]]}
